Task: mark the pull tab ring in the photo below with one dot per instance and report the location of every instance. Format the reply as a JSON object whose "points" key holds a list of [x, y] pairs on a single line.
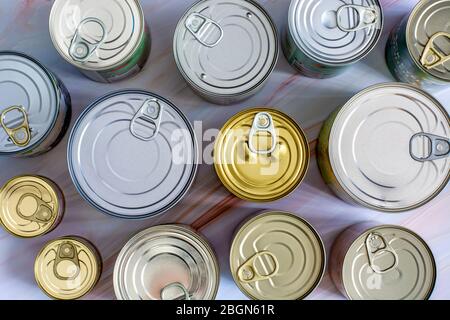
{"points": [[80, 49], [377, 246], [148, 118], [43, 213], [199, 26], [176, 285], [367, 17], [66, 252], [431, 57], [263, 122], [20, 134], [247, 272], [438, 148]]}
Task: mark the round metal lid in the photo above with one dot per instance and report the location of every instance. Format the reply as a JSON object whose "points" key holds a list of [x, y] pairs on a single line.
{"points": [[389, 263], [96, 35], [29, 103], [261, 155], [277, 256], [226, 48], [335, 32], [428, 37], [132, 154], [168, 262]]}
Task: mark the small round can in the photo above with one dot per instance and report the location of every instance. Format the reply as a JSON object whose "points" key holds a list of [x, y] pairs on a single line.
{"points": [[107, 41], [277, 256], [68, 268], [168, 262], [418, 50], [387, 148], [35, 107], [226, 50], [30, 206], [382, 262], [132, 154], [255, 152], [324, 37]]}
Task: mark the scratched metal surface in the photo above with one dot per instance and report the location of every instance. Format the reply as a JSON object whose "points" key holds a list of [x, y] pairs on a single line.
{"points": [[208, 206]]}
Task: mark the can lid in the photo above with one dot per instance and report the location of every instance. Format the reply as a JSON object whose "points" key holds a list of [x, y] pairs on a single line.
{"points": [[389, 263], [67, 268], [389, 147], [29, 102], [333, 32], [254, 153], [169, 262], [428, 37], [132, 154], [96, 35], [226, 48]]}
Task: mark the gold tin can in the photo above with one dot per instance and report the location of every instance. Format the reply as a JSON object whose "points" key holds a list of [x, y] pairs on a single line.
{"points": [[261, 155], [373, 262], [277, 256], [68, 268], [30, 206]]}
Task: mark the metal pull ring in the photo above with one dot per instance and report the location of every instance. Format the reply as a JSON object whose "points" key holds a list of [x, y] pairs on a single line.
{"points": [[435, 147], [147, 119], [431, 56], [81, 49], [43, 212], [67, 252], [263, 122], [19, 134], [247, 272], [377, 247], [200, 27], [177, 286], [367, 17]]}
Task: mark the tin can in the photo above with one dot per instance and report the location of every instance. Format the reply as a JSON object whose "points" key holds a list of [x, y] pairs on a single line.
{"points": [[323, 38], [168, 262], [35, 107], [226, 50], [132, 154], [277, 256], [387, 148], [255, 152], [68, 268], [373, 262], [30, 206], [107, 41], [418, 50]]}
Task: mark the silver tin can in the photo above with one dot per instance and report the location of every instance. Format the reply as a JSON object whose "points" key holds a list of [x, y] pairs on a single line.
{"points": [[35, 107], [168, 262], [324, 37], [106, 40], [132, 154], [226, 50], [387, 149]]}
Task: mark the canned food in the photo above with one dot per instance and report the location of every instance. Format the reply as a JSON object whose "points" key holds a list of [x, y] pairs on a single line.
{"points": [[30, 206], [226, 50], [35, 107], [255, 152], [324, 37], [277, 256], [68, 268], [132, 154], [169, 262], [418, 50], [388, 148], [373, 262], [106, 40]]}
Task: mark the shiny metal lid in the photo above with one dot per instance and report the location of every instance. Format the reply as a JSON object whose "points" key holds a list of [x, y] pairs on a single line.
{"points": [[132, 154], [96, 35], [389, 147], [335, 32], [226, 48], [168, 262]]}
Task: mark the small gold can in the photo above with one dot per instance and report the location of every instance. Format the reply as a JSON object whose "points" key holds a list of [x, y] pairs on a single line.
{"points": [[68, 268], [30, 206]]}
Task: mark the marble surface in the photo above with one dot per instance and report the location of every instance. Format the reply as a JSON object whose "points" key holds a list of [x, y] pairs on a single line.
{"points": [[208, 206]]}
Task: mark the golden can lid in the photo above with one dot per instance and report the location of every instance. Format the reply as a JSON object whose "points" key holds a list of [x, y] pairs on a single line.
{"points": [[389, 262], [277, 256], [68, 268], [30, 206], [261, 155]]}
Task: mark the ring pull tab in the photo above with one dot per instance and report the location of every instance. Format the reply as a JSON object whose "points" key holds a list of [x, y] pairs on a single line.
{"points": [[263, 122], [378, 248], [19, 134], [203, 27], [147, 121], [247, 272], [431, 56], [43, 212], [367, 17], [168, 291], [80, 48], [67, 252], [428, 147]]}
